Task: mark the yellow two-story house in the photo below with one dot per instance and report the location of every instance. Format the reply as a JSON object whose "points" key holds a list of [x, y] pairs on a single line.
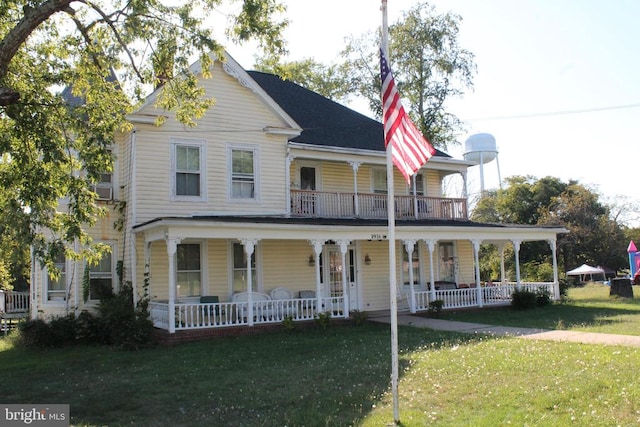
{"points": [[275, 206]]}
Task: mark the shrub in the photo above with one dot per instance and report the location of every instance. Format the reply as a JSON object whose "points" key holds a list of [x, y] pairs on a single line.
{"points": [[359, 317], [523, 299], [435, 308], [543, 298], [288, 324], [323, 319]]}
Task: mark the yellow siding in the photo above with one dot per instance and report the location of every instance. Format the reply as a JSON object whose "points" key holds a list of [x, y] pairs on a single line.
{"points": [[286, 264], [434, 183], [238, 117], [374, 278], [466, 269]]}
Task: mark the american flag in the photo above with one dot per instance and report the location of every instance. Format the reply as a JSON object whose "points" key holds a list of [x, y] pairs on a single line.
{"points": [[410, 150]]}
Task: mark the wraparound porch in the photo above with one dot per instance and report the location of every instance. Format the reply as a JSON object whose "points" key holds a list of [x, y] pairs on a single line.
{"points": [[196, 315]]}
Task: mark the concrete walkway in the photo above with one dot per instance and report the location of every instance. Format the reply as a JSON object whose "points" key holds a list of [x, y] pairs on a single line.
{"points": [[526, 333]]}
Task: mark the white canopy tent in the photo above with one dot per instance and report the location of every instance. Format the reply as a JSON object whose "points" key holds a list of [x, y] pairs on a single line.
{"points": [[586, 270]]}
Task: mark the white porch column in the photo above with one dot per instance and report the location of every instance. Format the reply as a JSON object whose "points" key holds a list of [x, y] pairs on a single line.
{"points": [[172, 247], [516, 251], [556, 283], [317, 250], [464, 185], [503, 274], [431, 244], [287, 177], [249, 246], [147, 270], [476, 262], [355, 166], [409, 246], [344, 245]]}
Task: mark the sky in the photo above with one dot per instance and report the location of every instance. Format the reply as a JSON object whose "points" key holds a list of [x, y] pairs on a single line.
{"points": [[557, 83]]}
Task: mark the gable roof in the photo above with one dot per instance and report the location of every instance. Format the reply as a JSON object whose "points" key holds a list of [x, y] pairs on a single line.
{"points": [[324, 122]]}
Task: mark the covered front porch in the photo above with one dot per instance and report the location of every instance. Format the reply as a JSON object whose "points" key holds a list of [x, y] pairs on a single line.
{"points": [[296, 271], [203, 315]]}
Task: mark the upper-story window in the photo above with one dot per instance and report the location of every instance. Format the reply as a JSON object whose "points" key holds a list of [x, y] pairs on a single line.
{"points": [[243, 172], [104, 186], [419, 182], [188, 171], [379, 181]]}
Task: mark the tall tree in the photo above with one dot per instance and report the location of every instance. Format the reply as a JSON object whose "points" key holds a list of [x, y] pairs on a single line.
{"points": [[51, 149], [594, 237], [428, 64]]}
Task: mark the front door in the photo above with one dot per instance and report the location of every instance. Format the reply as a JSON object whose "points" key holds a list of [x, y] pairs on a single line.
{"points": [[333, 273]]}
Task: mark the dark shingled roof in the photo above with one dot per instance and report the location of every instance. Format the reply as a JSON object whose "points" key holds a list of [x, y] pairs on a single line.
{"points": [[324, 122]]}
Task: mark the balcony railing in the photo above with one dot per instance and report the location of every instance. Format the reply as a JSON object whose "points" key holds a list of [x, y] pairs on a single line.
{"points": [[326, 204]]}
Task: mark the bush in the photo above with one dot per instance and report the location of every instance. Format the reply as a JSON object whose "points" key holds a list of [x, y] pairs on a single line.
{"points": [[523, 299], [359, 317], [435, 308], [323, 319], [118, 323], [121, 324], [543, 298]]}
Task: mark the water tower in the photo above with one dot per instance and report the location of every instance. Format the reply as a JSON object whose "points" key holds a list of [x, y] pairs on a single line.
{"points": [[480, 149]]}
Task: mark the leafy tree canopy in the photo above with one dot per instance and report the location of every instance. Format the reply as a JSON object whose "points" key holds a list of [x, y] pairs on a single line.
{"points": [[51, 149], [595, 237]]}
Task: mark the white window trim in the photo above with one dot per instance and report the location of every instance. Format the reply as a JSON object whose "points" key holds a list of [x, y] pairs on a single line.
{"points": [[375, 170], [257, 252], [204, 269], [308, 164], [114, 274], [256, 173], [203, 169], [46, 278]]}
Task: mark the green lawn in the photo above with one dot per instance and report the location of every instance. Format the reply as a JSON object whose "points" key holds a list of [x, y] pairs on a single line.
{"points": [[335, 377], [590, 308]]}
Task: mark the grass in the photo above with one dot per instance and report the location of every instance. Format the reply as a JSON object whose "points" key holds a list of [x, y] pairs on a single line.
{"points": [[335, 377], [589, 309]]}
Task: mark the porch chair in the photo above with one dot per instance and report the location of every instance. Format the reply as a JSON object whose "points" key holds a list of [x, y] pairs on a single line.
{"points": [[259, 310], [288, 308], [211, 299]]}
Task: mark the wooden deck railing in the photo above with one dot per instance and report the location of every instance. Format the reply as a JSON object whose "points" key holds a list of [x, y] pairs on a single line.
{"points": [[326, 204]]}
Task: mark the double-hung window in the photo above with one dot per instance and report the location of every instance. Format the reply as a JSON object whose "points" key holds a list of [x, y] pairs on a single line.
{"points": [[101, 278], [188, 171], [188, 270], [57, 287], [243, 170]]}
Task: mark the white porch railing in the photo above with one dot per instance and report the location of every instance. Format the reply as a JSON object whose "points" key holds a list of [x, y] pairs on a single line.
{"points": [[14, 302], [225, 314], [324, 204], [13, 305], [468, 297]]}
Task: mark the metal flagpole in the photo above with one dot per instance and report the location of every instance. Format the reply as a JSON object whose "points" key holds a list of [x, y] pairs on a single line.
{"points": [[391, 234]]}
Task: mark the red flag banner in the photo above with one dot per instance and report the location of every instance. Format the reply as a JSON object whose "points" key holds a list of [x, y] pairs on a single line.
{"points": [[410, 150]]}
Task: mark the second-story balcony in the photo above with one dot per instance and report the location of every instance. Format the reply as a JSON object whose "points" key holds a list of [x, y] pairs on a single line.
{"points": [[326, 204]]}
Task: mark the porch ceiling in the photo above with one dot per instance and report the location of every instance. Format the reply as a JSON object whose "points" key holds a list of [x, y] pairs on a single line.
{"points": [[260, 227]]}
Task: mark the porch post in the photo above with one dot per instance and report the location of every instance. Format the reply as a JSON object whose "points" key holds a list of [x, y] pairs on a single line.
{"points": [[503, 274], [317, 250], [287, 176], [344, 244], [556, 283], [409, 247], [249, 245], [431, 244], [147, 270], [476, 261], [355, 166], [516, 251], [172, 247]]}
